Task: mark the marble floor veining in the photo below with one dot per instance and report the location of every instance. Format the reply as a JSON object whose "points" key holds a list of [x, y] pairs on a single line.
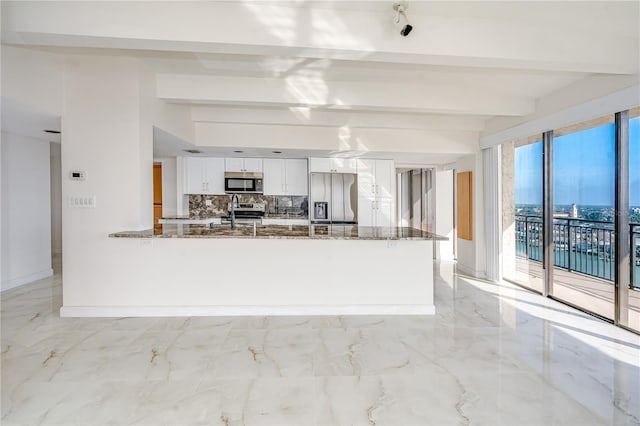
{"points": [[493, 354]]}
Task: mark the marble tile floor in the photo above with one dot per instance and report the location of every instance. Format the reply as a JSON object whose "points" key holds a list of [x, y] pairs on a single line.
{"points": [[492, 355]]}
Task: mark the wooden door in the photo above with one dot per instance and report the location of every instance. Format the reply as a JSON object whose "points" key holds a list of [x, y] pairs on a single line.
{"points": [[157, 192], [464, 203]]}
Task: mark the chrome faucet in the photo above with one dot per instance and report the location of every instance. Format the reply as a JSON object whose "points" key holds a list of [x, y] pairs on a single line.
{"points": [[233, 210]]}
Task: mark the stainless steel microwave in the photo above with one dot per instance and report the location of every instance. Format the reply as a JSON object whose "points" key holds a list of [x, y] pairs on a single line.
{"points": [[235, 182]]}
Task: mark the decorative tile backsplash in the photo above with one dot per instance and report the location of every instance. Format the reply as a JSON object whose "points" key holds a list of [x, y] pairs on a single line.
{"points": [[276, 205]]}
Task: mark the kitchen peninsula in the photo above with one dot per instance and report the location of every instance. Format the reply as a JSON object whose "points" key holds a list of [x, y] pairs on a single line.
{"points": [[270, 270]]}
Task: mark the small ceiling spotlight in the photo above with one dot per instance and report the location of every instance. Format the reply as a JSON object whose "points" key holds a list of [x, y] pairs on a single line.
{"points": [[401, 18], [238, 151], [277, 152]]}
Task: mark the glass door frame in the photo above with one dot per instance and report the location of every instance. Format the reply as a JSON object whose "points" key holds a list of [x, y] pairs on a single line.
{"points": [[621, 222], [622, 258]]}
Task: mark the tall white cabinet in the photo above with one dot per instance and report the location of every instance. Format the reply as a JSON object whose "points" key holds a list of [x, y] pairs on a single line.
{"points": [[203, 175], [376, 192], [285, 176]]}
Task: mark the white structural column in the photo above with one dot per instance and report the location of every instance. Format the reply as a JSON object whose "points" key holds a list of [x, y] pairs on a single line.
{"points": [[492, 210]]}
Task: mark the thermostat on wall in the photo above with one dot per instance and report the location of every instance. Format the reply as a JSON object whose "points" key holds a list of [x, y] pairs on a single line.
{"points": [[77, 175]]}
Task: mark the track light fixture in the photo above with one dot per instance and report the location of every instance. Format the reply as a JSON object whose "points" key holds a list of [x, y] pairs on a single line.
{"points": [[401, 18]]}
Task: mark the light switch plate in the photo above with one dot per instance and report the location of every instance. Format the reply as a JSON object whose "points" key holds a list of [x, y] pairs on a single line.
{"points": [[82, 201]]}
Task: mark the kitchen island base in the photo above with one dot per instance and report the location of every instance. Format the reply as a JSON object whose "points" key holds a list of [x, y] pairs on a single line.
{"points": [[228, 276]]}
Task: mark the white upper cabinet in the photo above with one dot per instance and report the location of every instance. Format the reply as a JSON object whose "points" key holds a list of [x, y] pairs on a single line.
{"points": [[253, 165], [332, 165], [274, 176], [320, 165], [285, 177], [194, 175], [249, 165], [203, 175], [214, 175], [297, 177]]}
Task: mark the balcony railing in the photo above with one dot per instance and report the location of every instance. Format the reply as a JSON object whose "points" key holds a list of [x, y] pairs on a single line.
{"points": [[580, 245]]}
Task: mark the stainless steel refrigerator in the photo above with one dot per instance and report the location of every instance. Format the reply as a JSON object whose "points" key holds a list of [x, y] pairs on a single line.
{"points": [[334, 198]]}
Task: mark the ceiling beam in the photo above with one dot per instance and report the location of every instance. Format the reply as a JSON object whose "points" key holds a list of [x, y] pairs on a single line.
{"points": [[337, 140], [265, 28], [303, 116], [301, 91]]}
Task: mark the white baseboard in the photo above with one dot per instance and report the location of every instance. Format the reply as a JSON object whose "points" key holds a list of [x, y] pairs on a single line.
{"points": [[16, 282], [195, 311], [470, 271]]}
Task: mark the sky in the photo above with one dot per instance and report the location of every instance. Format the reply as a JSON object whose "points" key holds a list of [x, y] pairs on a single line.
{"points": [[583, 168]]}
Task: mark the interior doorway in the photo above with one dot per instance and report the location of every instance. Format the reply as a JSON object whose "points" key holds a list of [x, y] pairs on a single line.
{"points": [[157, 192], [416, 199], [55, 170]]}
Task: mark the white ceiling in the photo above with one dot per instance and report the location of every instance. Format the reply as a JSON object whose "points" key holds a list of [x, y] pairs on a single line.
{"points": [[464, 64]]}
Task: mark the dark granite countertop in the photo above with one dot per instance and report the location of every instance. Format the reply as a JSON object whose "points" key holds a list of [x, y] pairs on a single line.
{"points": [[326, 232]]}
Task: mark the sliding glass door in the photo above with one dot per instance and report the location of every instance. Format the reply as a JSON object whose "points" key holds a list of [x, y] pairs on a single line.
{"points": [[565, 198], [583, 216], [522, 215], [633, 297]]}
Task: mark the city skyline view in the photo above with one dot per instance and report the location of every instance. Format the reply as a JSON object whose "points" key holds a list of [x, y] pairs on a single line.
{"points": [[583, 171]]}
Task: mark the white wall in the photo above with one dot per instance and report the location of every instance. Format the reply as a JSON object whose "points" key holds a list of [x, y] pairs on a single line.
{"points": [[444, 214], [34, 77], [56, 197], [102, 136], [471, 254], [589, 98], [169, 186], [26, 207]]}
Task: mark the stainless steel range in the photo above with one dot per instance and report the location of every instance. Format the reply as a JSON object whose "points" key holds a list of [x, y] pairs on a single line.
{"points": [[246, 212]]}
